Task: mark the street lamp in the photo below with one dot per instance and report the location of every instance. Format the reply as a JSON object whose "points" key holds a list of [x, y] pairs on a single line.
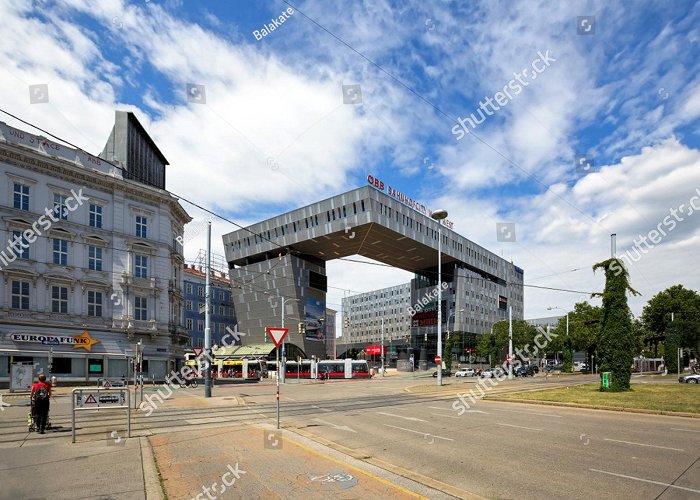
{"points": [[568, 341], [282, 372], [438, 215]]}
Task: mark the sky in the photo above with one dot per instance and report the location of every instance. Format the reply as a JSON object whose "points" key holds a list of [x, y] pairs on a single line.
{"points": [[569, 120]]}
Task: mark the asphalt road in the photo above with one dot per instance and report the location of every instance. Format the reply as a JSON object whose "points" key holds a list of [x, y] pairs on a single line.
{"points": [[496, 449]]}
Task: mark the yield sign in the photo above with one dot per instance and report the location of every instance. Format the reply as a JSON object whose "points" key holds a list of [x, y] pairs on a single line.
{"points": [[277, 334], [197, 351]]}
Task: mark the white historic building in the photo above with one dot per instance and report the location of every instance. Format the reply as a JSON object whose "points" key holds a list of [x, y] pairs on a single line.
{"points": [[90, 258]]}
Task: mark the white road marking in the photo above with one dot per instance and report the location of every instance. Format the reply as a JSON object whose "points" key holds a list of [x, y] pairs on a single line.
{"points": [[339, 427], [417, 432], [643, 444], [413, 419], [443, 415], [684, 430], [291, 399], [528, 412], [478, 411], [438, 408], [520, 427], [322, 409], [645, 480]]}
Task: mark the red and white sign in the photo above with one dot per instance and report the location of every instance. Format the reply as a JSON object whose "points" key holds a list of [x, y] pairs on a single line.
{"points": [[374, 350], [438, 359], [509, 359], [197, 351], [277, 334]]}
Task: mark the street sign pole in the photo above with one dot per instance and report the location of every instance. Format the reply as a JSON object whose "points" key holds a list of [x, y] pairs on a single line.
{"points": [[207, 318], [277, 335]]}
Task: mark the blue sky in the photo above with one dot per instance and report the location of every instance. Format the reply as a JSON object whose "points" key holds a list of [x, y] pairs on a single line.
{"points": [[274, 133]]}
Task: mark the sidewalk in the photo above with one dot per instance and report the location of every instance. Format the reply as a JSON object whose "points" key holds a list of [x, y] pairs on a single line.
{"points": [[261, 462]]}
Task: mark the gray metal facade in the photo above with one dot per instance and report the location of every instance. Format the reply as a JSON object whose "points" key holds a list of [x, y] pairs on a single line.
{"points": [[284, 256]]}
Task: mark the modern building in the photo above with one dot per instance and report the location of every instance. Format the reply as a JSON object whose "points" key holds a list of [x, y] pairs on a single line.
{"points": [[223, 313], [367, 317], [92, 265], [285, 258]]}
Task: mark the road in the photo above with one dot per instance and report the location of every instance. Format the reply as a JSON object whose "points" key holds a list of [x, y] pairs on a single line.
{"points": [[495, 449]]}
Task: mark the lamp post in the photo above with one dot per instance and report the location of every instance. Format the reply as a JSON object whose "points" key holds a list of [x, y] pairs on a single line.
{"points": [[454, 327], [439, 215], [568, 341], [283, 366]]}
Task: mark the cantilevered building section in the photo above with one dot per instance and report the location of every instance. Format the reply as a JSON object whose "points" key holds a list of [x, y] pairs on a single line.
{"points": [[284, 259]]}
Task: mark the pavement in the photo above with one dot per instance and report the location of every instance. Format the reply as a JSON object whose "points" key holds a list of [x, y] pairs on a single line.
{"points": [[381, 438], [202, 456]]}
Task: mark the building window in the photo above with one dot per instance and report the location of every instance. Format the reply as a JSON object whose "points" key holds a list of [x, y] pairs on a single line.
{"points": [[188, 305], [200, 291], [199, 343], [221, 311], [188, 287], [141, 226], [20, 294], [221, 295], [21, 196], [94, 303], [60, 251], [188, 324], [140, 308], [59, 206], [59, 299], [141, 266], [23, 251], [94, 258], [200, 325], [95, 216]]}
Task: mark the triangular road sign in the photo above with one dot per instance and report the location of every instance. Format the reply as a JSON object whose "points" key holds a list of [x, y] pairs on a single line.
{"points": [[277, 334], [106, 385], [197, 351], [90, 399]]}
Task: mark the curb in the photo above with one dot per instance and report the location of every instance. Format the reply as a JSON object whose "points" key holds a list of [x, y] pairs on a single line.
{"points": [[151, 475], [595, 407]]}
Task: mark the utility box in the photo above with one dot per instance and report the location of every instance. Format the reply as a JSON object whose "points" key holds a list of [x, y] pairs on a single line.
{"points": [[606, 380]]}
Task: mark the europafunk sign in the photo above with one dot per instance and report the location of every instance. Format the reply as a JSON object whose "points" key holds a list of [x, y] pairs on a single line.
{"points": [[82, 341]]}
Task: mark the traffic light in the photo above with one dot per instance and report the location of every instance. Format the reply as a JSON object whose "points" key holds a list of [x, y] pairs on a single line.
{"points": [[302, 328]]}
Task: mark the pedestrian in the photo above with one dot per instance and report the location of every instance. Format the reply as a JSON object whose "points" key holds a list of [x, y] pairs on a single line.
{"points": [[40, 396]]}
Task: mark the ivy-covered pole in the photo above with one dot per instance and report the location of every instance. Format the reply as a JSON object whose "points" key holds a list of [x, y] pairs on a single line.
{"points": [[617, 343]]}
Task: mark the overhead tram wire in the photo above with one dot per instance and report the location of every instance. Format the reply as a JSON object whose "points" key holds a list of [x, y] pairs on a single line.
{"points": [[436, 108]]}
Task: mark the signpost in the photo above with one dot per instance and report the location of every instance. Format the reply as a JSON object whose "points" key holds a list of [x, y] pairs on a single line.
{"points": [[277, 335], [97, 398]]}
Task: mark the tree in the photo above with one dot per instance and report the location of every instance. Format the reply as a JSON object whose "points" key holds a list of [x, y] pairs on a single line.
{"points": [[617, 342], [682, 304]]}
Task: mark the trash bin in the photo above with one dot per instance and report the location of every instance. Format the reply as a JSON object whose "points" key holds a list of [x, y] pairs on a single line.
{"points": [[606, 380]]}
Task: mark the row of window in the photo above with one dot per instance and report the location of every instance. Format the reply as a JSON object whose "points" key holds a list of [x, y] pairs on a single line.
{"points": [[21, 198], [223, 310], [201, 289], [308, 222], [59, 255], [216, 328], [59, 300]]}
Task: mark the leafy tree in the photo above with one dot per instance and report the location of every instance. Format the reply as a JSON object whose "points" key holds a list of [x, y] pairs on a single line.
{"points": [[486, 347], [617, 342], [685, 306]]}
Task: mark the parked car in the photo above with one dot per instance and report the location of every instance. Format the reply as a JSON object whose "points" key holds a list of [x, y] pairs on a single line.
{"points": [[689, 379], [465, 372], [492, 372], [553, 368], [525, 371], [445, 373]]}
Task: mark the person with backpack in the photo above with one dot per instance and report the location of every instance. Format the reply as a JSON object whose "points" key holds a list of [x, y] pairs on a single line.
{"points": [[41, 394]]}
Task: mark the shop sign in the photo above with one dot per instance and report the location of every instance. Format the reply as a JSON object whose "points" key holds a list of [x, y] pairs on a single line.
{"points": [[82, 341]]}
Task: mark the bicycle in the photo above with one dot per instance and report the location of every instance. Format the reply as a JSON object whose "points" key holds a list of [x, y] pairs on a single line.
{"points": [[189, 382]]}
